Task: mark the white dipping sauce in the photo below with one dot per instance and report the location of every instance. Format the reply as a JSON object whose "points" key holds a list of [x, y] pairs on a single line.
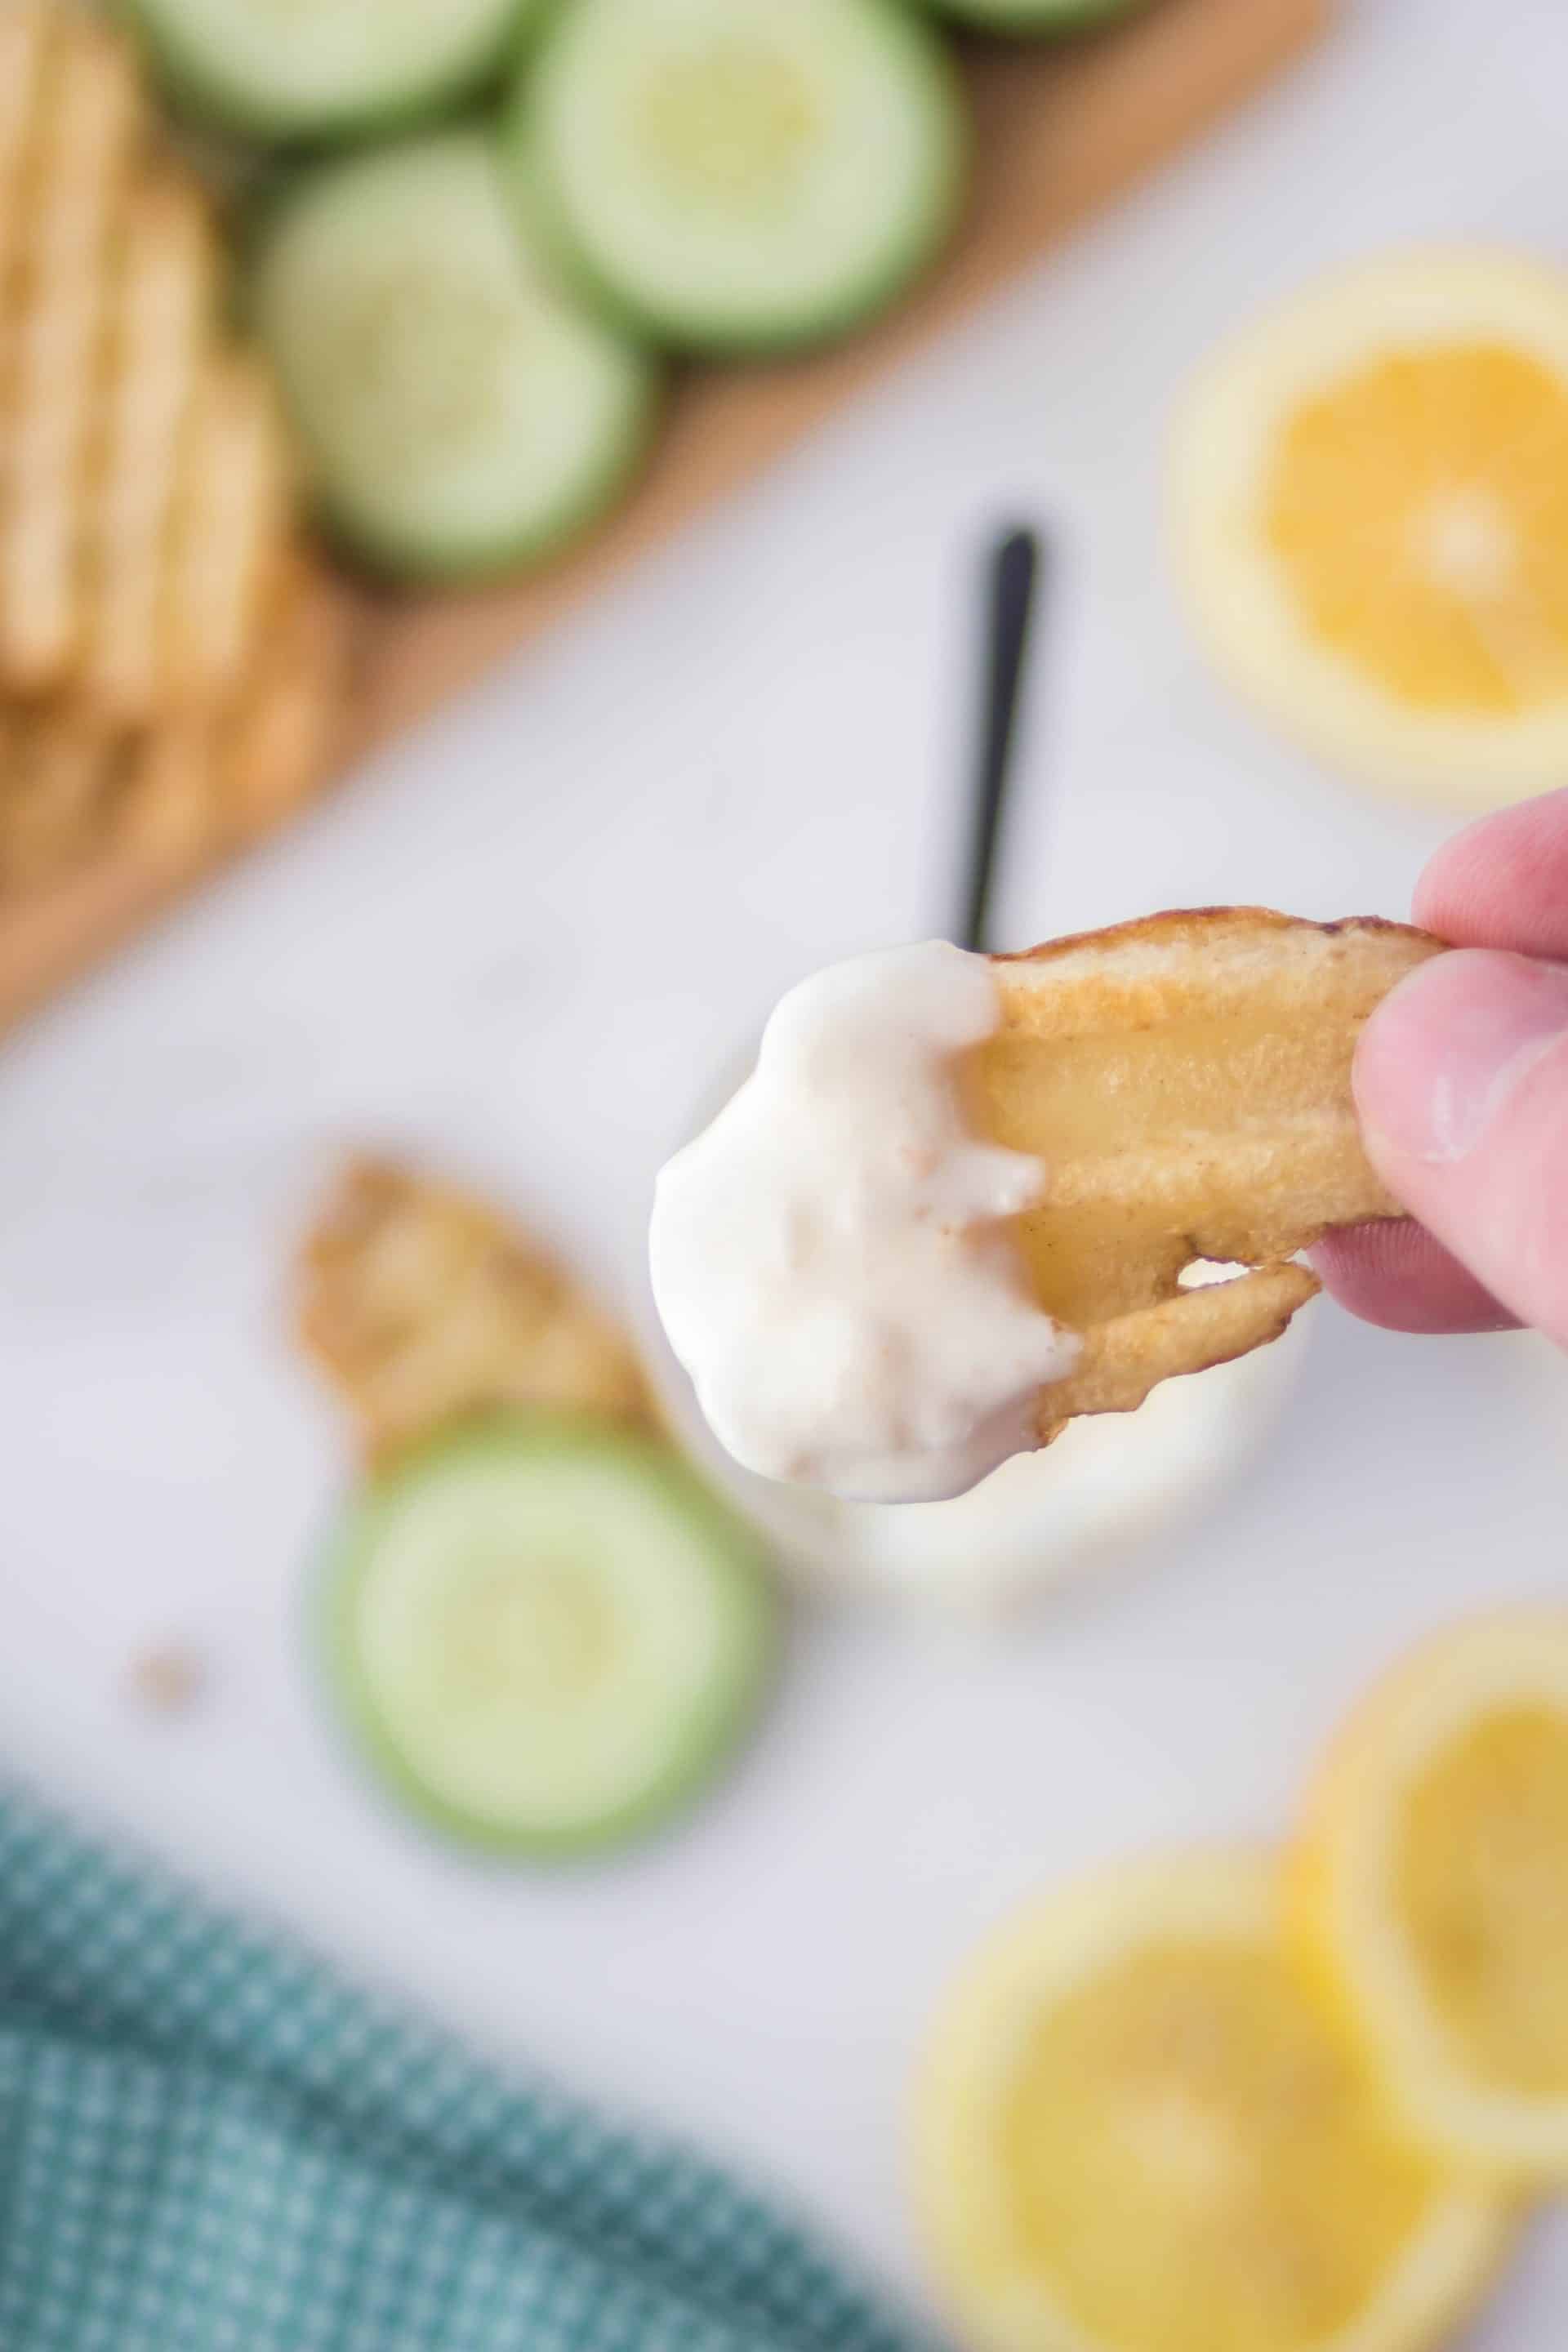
{"points": [[830, 1260]]}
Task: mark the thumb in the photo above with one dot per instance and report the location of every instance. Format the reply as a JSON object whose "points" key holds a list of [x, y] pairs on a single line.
{"points": [[1461, 1083]]}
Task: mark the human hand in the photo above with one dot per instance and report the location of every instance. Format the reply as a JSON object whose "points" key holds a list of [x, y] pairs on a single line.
{"points": [[1461, 1083]]}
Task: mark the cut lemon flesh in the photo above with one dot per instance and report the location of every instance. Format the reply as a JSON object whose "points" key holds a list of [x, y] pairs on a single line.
{"points": [[1372, 495], [1433, 1888], [1141, 2130]]}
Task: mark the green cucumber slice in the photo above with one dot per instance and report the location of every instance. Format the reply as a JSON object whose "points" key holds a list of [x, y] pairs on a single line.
{"points": [[546, 1633], [742, 175], [279, 69], [1047, 17], [458, 412]]}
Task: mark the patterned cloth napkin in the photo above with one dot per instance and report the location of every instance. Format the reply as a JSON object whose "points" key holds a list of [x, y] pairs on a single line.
{"points": [[209, 2145]]}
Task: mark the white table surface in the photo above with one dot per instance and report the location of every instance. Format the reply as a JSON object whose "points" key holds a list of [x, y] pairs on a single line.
{"points": [[520, 944]]}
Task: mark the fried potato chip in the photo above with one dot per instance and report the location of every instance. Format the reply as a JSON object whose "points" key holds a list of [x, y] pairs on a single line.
{"points": [[171, 661], [78, 149], [162, 301], [208, 777], [169, 803], [231, 527], [59, 769], [422, 1304], [285, 726], [1186, 1081], [74, 789], [145, 490], [22, 26]]}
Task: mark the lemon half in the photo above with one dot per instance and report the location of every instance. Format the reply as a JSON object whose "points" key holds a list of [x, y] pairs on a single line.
{"points": [[1371, 514], [1138, 2130], [1432, 1888]]}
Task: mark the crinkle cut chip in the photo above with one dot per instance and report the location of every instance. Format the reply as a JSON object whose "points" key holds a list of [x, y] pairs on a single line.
{"points": [[424, 1305], [1186, 1081]]}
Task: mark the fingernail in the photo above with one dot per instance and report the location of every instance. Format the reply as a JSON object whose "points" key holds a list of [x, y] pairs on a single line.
{"points": [[1442, 1057]]}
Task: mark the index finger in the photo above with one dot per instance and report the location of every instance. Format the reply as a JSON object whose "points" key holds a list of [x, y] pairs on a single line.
{"points": [[1503, 882]]}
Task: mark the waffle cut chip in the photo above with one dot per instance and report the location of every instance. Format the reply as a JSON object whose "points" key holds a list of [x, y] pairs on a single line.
{"points": [[144, 478], [209, 779], [423, 1306], [1187, 1082], [76, 792], [59, 776]]}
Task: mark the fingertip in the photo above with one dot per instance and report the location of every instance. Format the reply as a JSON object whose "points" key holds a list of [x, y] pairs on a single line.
{"points": [[1443, 1055], [1396, 1274], [1502, 882], [1461, 1087]]}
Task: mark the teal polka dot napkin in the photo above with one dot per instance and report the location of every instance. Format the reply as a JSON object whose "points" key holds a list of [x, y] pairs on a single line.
{"points": [[209, 2145]]}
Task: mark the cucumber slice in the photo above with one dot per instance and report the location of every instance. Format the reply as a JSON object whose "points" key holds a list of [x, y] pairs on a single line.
{"points": [[1048, 18], [743, 175], [321, 68], [458, 412], [546, 1633]]}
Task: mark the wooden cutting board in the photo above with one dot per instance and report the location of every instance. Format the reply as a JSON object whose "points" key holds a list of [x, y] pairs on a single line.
{"points": [[1059, 134]]}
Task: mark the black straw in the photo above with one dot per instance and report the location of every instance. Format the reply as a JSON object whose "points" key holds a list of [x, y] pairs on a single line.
{"points": [[1012, 573]]}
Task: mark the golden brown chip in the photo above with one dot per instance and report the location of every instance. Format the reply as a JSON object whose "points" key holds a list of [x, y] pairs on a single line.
{"points": [[78, 150], [423, 1306], [231, 527], [146, 492], [22, 24], [285, 727], [170, 804], [161, 303], [1186, 1081], [59, 769], [74, 788], [172, 662], [210, 776]]}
